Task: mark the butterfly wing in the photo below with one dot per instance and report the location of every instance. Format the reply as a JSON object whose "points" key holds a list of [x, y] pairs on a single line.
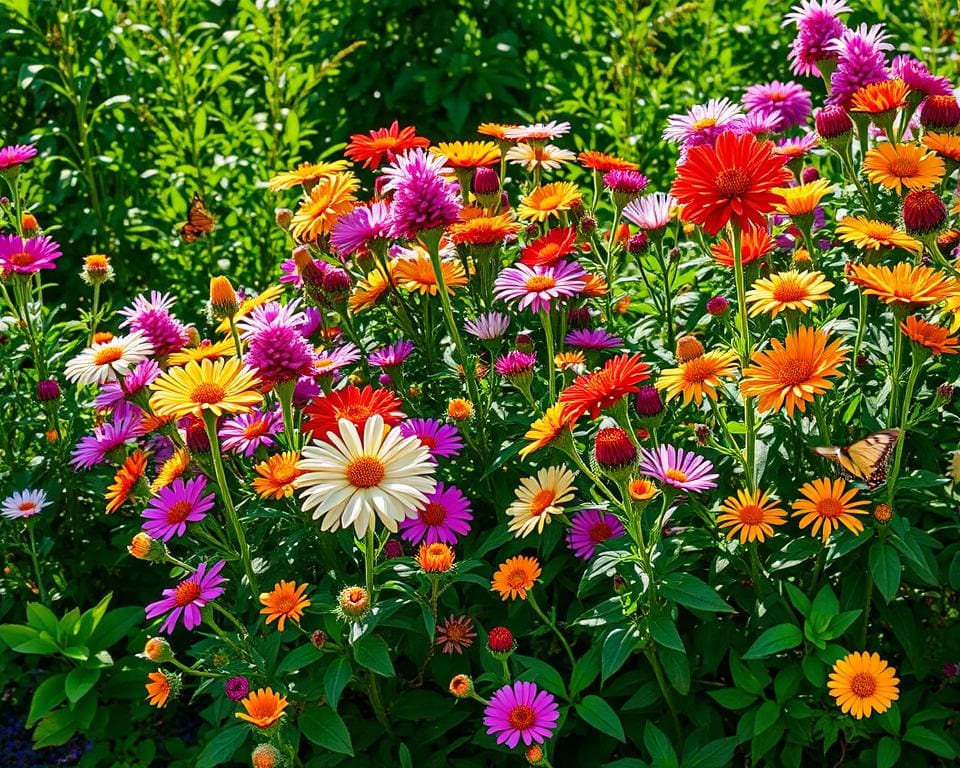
{"points": [[871, 456], [199, 220], [834, 453]]}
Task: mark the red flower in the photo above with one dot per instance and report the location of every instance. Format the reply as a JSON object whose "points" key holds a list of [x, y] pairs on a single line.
{"points": [[356, 405], [733, 180], [549, 249], [370, 148], [603, 389]]}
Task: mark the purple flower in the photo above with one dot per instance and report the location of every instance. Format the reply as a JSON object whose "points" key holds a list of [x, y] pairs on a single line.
{"points": [[277, 350], [591, 527], [173, 507], [28, 255], [536, 287], [245, 433], [360, 227], [236, 688], [422, 198], [789, 102], [444, 518], [93, 449], [817, 27], [626, 182], [111, 394], [861, 61], [442, 440], [584, 338], [152, 317], [23, 504], [290, 275], [684, 470], [796, 146], [515, 364], [650, 211], [16, 154], [188, 597], [702, 124], [916, 75], [521, 711], [392, 355], [489, 326], [331, 360], [756, 124]]}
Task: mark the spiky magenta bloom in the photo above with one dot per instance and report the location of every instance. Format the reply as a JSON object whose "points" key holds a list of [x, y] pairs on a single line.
{"points": [[818, 26], [920, 79], [22, 504], [789, 102], [392, 355], [188, 597], [290, 275], [277, 350], [684, 470], [152, 317], [270, 315], [445, 518], [833, 122], [625, 182], [16, 154], [860, 61], [756, 124], [584, 338], [591, 527], [246, 432], [703, 123], [335, 281], [521, 711], [443, 441], [360, 228], [796, 146], [236, 688], [650, 212], [489, 326], [717, 306], [536, 287], [93, 449], [112, 394], [27, 255], [422, 198], [173, 507], [515, 364], [329, 361]]}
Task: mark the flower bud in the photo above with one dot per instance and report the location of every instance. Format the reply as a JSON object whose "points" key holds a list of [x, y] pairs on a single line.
{"points": [[718, 306], [197, 439], [29, 224], [517, 368], [923, 213], [318, 638], [460, 409], [354, 602], [638, 244], [535, 755], [863, 360], [809, 175], [266, 756], [649, 406], [283, 217], [501, 643], [624, 186], [461, 686], [944, 393], [97, 269], [951, 670], [588, 225], [486, 187], [834, 125], [101, 337], [614, 452], [579, 317], [157, 650], [702, 434], [619, 583], [689, 348], [523, 342], [236, 688], [48, 390], [940, 113], [435, 558], [882, 513], [223, 299], [642, 490], [393, 549], [144, 547]]}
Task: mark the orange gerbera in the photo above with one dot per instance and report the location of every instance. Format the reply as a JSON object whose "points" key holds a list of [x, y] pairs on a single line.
{"points": [[595, 286], [790, 374], [126, 480], [356, 405], [158, 689], [904, 285], [435, 558], [416, 274], [484, 230], [330, 198], [554, 423], [603, 389], [264, 707], [754, 244], [172, 468], [496, 130], [934, 337], [286, 601], [752, 514], [371, 289], [733, 180], [827, 505], [944, 144], [306, 174], [515, 577], [877, 98], [277, 475], [788, 290], [699, 376], [872, 235], [468, 154], [548, 200], [569, 361], [548, 250], [896, 166], [371, 148], [602, 162], [863, 683]]}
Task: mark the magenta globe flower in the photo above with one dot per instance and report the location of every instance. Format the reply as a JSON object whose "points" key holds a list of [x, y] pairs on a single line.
{"points": [[188, 597], [173, 507], [422, 198], [521, 711], [589, 528], [861, 60], [444, 518], [683, 470], [818, 26], [361, 228]]}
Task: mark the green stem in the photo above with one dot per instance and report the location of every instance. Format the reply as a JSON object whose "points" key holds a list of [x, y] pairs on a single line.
{"points": [[904, 425], [818, 566], [238, 350], [190, 671], [36, 562], [858, 341], [370, 558], [548, 333], [823, 426], [750, 436], [651, 654], [895, 368], [285, 395], [95, 311], [543, 617], [377, 702]]}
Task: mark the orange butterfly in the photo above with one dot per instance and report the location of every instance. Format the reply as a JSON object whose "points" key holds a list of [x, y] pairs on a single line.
{"points": [[866, 459], [199, 220]]}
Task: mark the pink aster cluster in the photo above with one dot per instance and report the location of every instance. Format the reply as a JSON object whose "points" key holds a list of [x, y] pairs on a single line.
{"points": [[277, 350], [861, 61], [153, 318], [818, 25], [422, 199]]}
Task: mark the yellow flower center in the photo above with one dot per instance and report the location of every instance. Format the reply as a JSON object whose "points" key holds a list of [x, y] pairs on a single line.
{"points": [[207, 392], [733, 182], [355, 413], [522, 717], [179, 511], [751, 515], [365, 472], [676, 475], [540, 283], [706, 122], [187, 592], [863, 685], [794, 372], [787, 291], [548, 251], [107, 355], [548, 202], [829, 507], [284, 473], [903, 167], [541, 501]]}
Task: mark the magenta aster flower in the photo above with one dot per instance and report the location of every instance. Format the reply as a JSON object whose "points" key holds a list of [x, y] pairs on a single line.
{"points": [[236, 688], [111, 394], [789, 102], [277, 350], [536, 287], [23, 504], [329, 361], [796, 146], [443, 441], [152, 317], [27, 255], [860, 61], [444, 518], [422, 198], [920, 79], [188, 597], [626, 182], [521, 711], [684, 470], [290, 275], [361, 228], [591, 527], [651, 212], [515, 364], [489, 326], [584, 338], [173, 507], [392, 355], [817, 27], [16, 154], [106, 438], [244, 433], [703, 123]]}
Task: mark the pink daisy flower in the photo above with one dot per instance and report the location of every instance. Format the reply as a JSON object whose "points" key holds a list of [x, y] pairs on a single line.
{"points": [[142, 376], [422, 198], [683, 470], [445, 518], [188, 597], [244, 433], [173, 507], [521, 711], [361, 228], [536, 287], [537, 131], [28, 255], [106, 438], [703, 123], [16, 154], [277, 350], [22, 504], [918, 78], [651, 212], [329, 361], [489, 326], [392, 355], [788, 102], [290, 274], [584, 338], [443, 441], [591, 527]]}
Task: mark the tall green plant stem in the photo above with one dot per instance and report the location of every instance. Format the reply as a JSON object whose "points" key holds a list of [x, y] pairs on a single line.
{"points": [[651, 653], [750, 437], [904, 426], [36, 562], [369, 558], [551, 371], [543, 617]]}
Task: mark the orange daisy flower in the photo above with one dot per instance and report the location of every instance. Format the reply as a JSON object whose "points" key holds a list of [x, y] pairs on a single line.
{"points": [[286, 601], [877, 98], [872, 235], [863, 683], [158, 689], [752, 514], [126, 480], [277, 475], [515, 576], [754, 244], [548, 250], [903, 285], [602, 389], [371, 148], [496, 130], [263, 707], [548, 200], [484, 230], [787, 290], [435, 558], [791, 374], [602, 162], [899, 166], [944, 144], [827, 505], [934, 337], [642, 489], [367, 292], [546, 429], [569, 361], [595, 286], [306, 174], [699, 376], [356, 405], [416, 274], [172, 468], [330, 198], [468, 154]]}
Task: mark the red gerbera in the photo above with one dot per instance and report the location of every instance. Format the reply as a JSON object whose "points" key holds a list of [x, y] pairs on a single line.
{"points": [[755, 244], [370, 148], [603, 389], [602, 162], [733, 180], [549, 249], [356, 405]]}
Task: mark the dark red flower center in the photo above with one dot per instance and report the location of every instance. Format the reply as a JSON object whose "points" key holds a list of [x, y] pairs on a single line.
{"points": [[733, 182]]}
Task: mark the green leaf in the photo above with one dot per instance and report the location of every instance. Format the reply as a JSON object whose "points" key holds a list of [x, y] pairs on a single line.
{"points": [[114, 627], [326, 729], [55, 730], [586, 669], [780, 638], [617, 647], [539, 671], [90, 619], [49, 694], [677, 667], [42, 618], [825, 605], [888, 752], [222, 747], [692, 593], [299, 658], [800, 601], [767, 714], [929, 740], [371, 652], [597, 713], [24, 639], [79, 681], [659, 746], [335, 679], [715, 754], [406, 761], [885, 568], [732, 698], [664, 632]]}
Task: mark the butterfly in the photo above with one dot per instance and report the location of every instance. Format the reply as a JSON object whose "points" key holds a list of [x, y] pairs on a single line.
{"points": [[199, 220], [865, 459]]}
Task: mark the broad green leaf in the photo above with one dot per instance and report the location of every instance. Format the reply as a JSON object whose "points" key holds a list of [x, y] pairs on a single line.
{"points": [[888, 752], [371, 652], [885, 568], [596, 712], [335, 679], [767, 714], [326, 729], [732, 698], [782, 637], [49, 694], [55, 729], [299, 658], [664, 632], [42, 618], [617, 647], [659, 746], [79, 681], [677, 667], [930, 740], [691, 592], [715, 754], [223, 746]]}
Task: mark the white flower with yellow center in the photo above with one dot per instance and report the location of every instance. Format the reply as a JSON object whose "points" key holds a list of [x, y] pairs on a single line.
{"points": [[539, 499], [108, 360]]}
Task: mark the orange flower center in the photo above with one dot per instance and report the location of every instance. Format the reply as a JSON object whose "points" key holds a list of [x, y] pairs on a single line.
{"points": [[698, 370], [433, 514], [789, 290], [903, 167], [356, 596], [27, 506], [751, 515], [284, 473], [522, 717], [187, 592], [600, 532], [455, 633], [428, 441], [179, 511], [540, 283], [365, 472], [733, 182], [541, 501], [706, 122], [863, 685], [22, 259], [548, 202], [283, 602], [676, 475], [256, 429], [518, 578], [548, 251], [107, 355], [355, 413], [794, 372], [207, 392], [382, 144], [829, 507]]}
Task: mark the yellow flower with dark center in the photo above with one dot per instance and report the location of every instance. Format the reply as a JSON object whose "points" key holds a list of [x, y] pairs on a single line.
{"points": [[827, 505], [899, 166], [205, 350], [371, 289], [286, 601], [863, 683], [788, 290], [699, 376], [172, 468], [484, 230], [872, 235], [224, 386], [550, 200], [752, 514]]}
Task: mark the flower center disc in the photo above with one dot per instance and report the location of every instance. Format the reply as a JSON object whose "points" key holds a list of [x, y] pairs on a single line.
{"points": [[795, 372], [863, 685], [751, 515], [540, 283], [733, 182], [903, 168], [829, 508], [355, 413], [107, 355], [433, 514], [541, 501], [179, 511], [676, 475], [365, 472], [256, 429], [187, 592], [522, 717], [207, 393], [600, 532], [22, 259], [788, 291]]}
